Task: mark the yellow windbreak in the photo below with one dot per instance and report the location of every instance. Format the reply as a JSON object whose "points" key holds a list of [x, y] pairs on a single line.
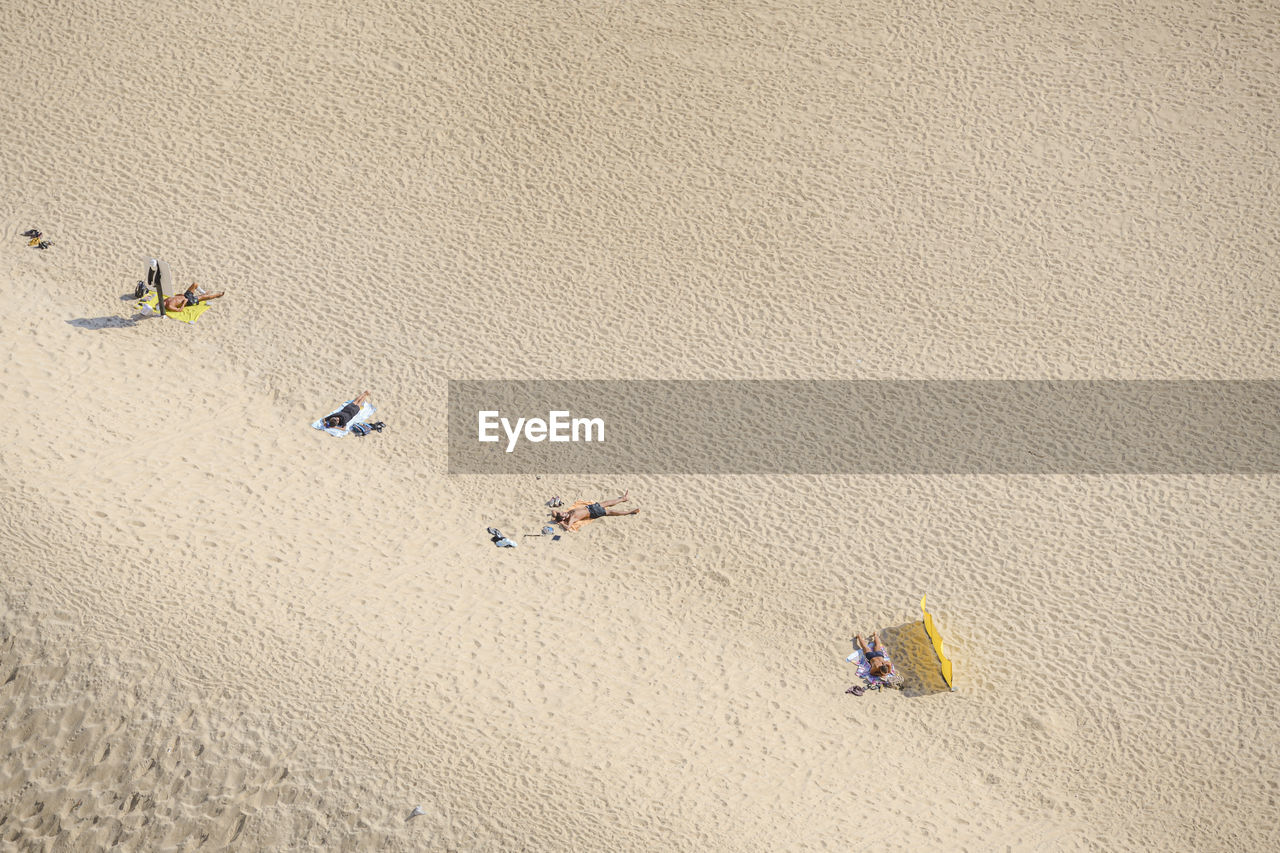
{"points": [[936, 639]]}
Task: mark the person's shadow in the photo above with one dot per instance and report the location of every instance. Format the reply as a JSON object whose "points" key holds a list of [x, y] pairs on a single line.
{"points": [[112, 322], [914, 659]]}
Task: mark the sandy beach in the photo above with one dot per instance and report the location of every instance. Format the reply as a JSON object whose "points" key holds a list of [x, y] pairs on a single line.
{"points": [[222, 629]]}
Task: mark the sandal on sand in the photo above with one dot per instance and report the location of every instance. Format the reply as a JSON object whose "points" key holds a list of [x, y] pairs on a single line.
{"points": [[857, 690], [495, 532]]}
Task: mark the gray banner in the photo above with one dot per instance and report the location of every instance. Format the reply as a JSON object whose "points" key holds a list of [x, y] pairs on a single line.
{"points": [[864, 427]]}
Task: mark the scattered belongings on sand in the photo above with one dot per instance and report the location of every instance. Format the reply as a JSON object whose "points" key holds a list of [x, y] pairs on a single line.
{"points": [[498, 539], [34, 240], [153, 281]]}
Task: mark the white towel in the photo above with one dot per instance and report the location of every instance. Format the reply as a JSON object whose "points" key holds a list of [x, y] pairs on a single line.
{"points": [[366, 412]]}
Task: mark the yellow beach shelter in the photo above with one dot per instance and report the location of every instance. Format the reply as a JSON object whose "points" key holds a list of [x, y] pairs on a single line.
{"points": [[936, 638]]}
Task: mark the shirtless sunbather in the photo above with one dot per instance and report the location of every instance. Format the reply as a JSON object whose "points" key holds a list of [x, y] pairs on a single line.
{"points": [[876, 655], [568, 518], [184, 300], [342, 417]]}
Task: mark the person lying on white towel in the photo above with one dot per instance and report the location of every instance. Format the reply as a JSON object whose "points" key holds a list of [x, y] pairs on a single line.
{"points": [[342, 417]]}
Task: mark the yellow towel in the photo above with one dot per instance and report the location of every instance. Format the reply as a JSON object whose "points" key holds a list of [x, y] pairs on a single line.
{"points": [[187, 315]]}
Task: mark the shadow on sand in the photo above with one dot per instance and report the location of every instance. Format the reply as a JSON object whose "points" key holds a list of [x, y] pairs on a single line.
{"points": [[914, 659], [112, 322]]}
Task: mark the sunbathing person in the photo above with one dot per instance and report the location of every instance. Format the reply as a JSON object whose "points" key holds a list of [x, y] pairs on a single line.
{"points": [[876, 655], [571, 518], [189, 298], [342, 417]]}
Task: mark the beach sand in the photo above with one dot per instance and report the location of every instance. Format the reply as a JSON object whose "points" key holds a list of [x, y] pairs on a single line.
{"points": [[220, 629]]}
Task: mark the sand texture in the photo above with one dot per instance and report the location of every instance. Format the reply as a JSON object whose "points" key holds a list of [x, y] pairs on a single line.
{"points": [[221, 629]]}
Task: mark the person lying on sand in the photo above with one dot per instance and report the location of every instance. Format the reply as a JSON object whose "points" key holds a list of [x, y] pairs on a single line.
{"points": [[876, 656], [568, 519], [184, 300], [340, 418]]}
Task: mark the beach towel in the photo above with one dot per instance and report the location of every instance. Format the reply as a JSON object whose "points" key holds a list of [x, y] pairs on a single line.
{"points": [[574, 526], [366, 412], [874, 682], [187, 315]]}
